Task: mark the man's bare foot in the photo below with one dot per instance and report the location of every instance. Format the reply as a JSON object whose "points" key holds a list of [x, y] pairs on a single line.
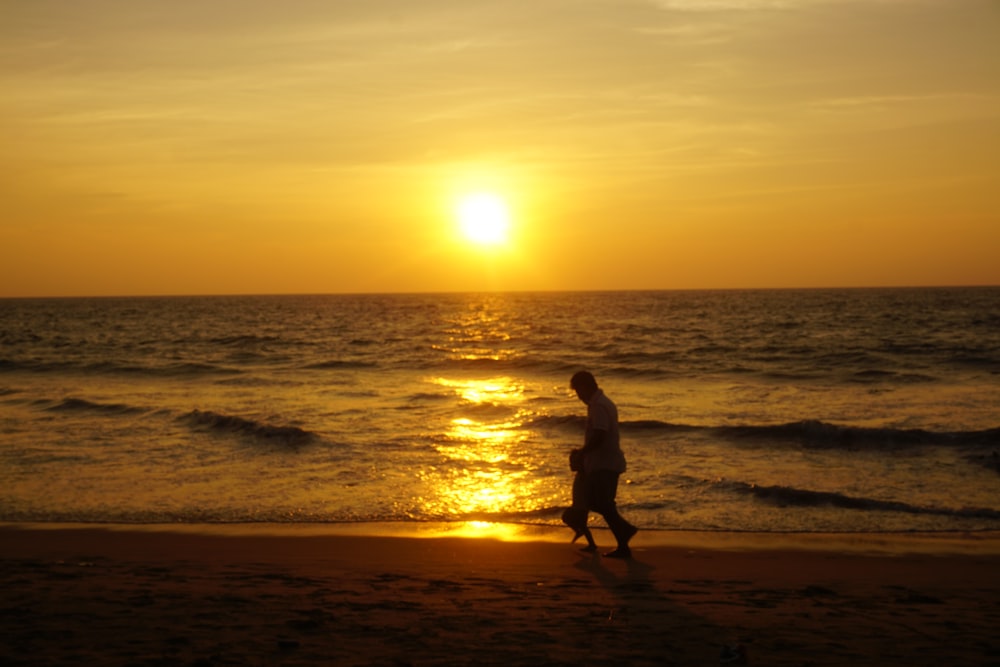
{"points": [[620, 552]]}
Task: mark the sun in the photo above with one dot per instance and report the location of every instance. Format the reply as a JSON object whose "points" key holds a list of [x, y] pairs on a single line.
{"points": [[484, 218]]}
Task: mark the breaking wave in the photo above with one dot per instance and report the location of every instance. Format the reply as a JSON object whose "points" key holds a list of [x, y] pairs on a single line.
{"points": [[821, 434], [213, 421], [787, 496]]}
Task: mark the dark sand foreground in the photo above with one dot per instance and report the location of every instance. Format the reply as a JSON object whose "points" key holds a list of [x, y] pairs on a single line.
{"points": [[88, 596]]}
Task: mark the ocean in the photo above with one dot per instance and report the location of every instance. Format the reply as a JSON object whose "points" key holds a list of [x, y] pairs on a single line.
{"points": [[855, 410]]}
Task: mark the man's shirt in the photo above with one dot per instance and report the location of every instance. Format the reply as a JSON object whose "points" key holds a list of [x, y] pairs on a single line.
{"points": [[602, 415]]}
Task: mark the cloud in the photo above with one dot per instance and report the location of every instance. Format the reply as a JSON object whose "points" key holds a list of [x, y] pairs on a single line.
{"points": [[729, 5], [765, 5]]}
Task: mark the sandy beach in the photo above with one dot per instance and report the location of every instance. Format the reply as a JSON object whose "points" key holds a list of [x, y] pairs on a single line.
{"points": [[128, 596]]}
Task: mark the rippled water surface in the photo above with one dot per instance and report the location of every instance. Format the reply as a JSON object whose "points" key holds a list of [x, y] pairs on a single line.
{"points": [[871, 410]]}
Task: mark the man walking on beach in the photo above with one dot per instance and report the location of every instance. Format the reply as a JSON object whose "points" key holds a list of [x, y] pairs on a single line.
{"points": [[603, 460]]}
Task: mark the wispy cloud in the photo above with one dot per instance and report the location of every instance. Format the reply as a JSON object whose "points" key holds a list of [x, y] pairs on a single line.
{"points": [[885, 101], [761, 5]]}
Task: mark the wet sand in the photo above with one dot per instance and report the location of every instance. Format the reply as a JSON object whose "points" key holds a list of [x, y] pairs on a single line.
{"points": [[128, 596]]}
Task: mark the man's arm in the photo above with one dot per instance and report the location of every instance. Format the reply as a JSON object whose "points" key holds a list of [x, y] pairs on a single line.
{"points": [[595, 439]]}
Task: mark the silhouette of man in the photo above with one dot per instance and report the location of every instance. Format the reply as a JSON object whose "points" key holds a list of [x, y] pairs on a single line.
{"points": [[603, 460]]}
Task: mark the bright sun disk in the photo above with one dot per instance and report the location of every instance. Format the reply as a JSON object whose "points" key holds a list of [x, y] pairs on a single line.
{"points": [[484, 218]]}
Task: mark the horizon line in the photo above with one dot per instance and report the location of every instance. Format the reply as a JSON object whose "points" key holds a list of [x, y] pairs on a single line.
{"points": [[166, 295]]}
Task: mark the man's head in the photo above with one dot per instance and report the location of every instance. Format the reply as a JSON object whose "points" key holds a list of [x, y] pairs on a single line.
{"points": [[584, 384]]}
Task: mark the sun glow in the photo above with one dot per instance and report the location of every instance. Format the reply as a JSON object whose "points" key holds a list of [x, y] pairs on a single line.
{"points": [[484, 218]]}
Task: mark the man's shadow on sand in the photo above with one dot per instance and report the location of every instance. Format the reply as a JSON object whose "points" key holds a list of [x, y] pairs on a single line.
{"points": [[638, 575], [656, 625]]}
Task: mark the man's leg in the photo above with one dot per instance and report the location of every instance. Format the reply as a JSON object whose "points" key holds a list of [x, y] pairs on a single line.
{"points": [[603, 489]]}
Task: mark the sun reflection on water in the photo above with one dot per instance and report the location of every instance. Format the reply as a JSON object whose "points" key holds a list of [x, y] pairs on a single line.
{"points": [[485, 529], [494, 390], [487, 465], [483, 333]]}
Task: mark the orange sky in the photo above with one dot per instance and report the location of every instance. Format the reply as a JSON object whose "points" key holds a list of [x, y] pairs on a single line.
{"points": [[251, 146]]}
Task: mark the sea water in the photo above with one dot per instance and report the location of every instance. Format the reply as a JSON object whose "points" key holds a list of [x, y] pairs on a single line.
{"points": [[869, 410]]}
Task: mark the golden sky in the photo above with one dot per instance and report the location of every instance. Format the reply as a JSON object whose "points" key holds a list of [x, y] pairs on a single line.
{"points": [[305, 146]]}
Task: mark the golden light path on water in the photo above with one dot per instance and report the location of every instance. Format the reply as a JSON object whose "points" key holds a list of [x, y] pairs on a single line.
{"points": [[488, 461]]}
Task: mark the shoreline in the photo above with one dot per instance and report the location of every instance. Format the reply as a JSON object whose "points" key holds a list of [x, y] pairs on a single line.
{"points": [[317, 595], [945, 543]]}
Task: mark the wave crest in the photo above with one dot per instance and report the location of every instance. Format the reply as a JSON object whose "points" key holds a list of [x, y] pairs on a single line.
{"points": [[785, 496], [818, 433], [83, 405], [292, 435]]}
